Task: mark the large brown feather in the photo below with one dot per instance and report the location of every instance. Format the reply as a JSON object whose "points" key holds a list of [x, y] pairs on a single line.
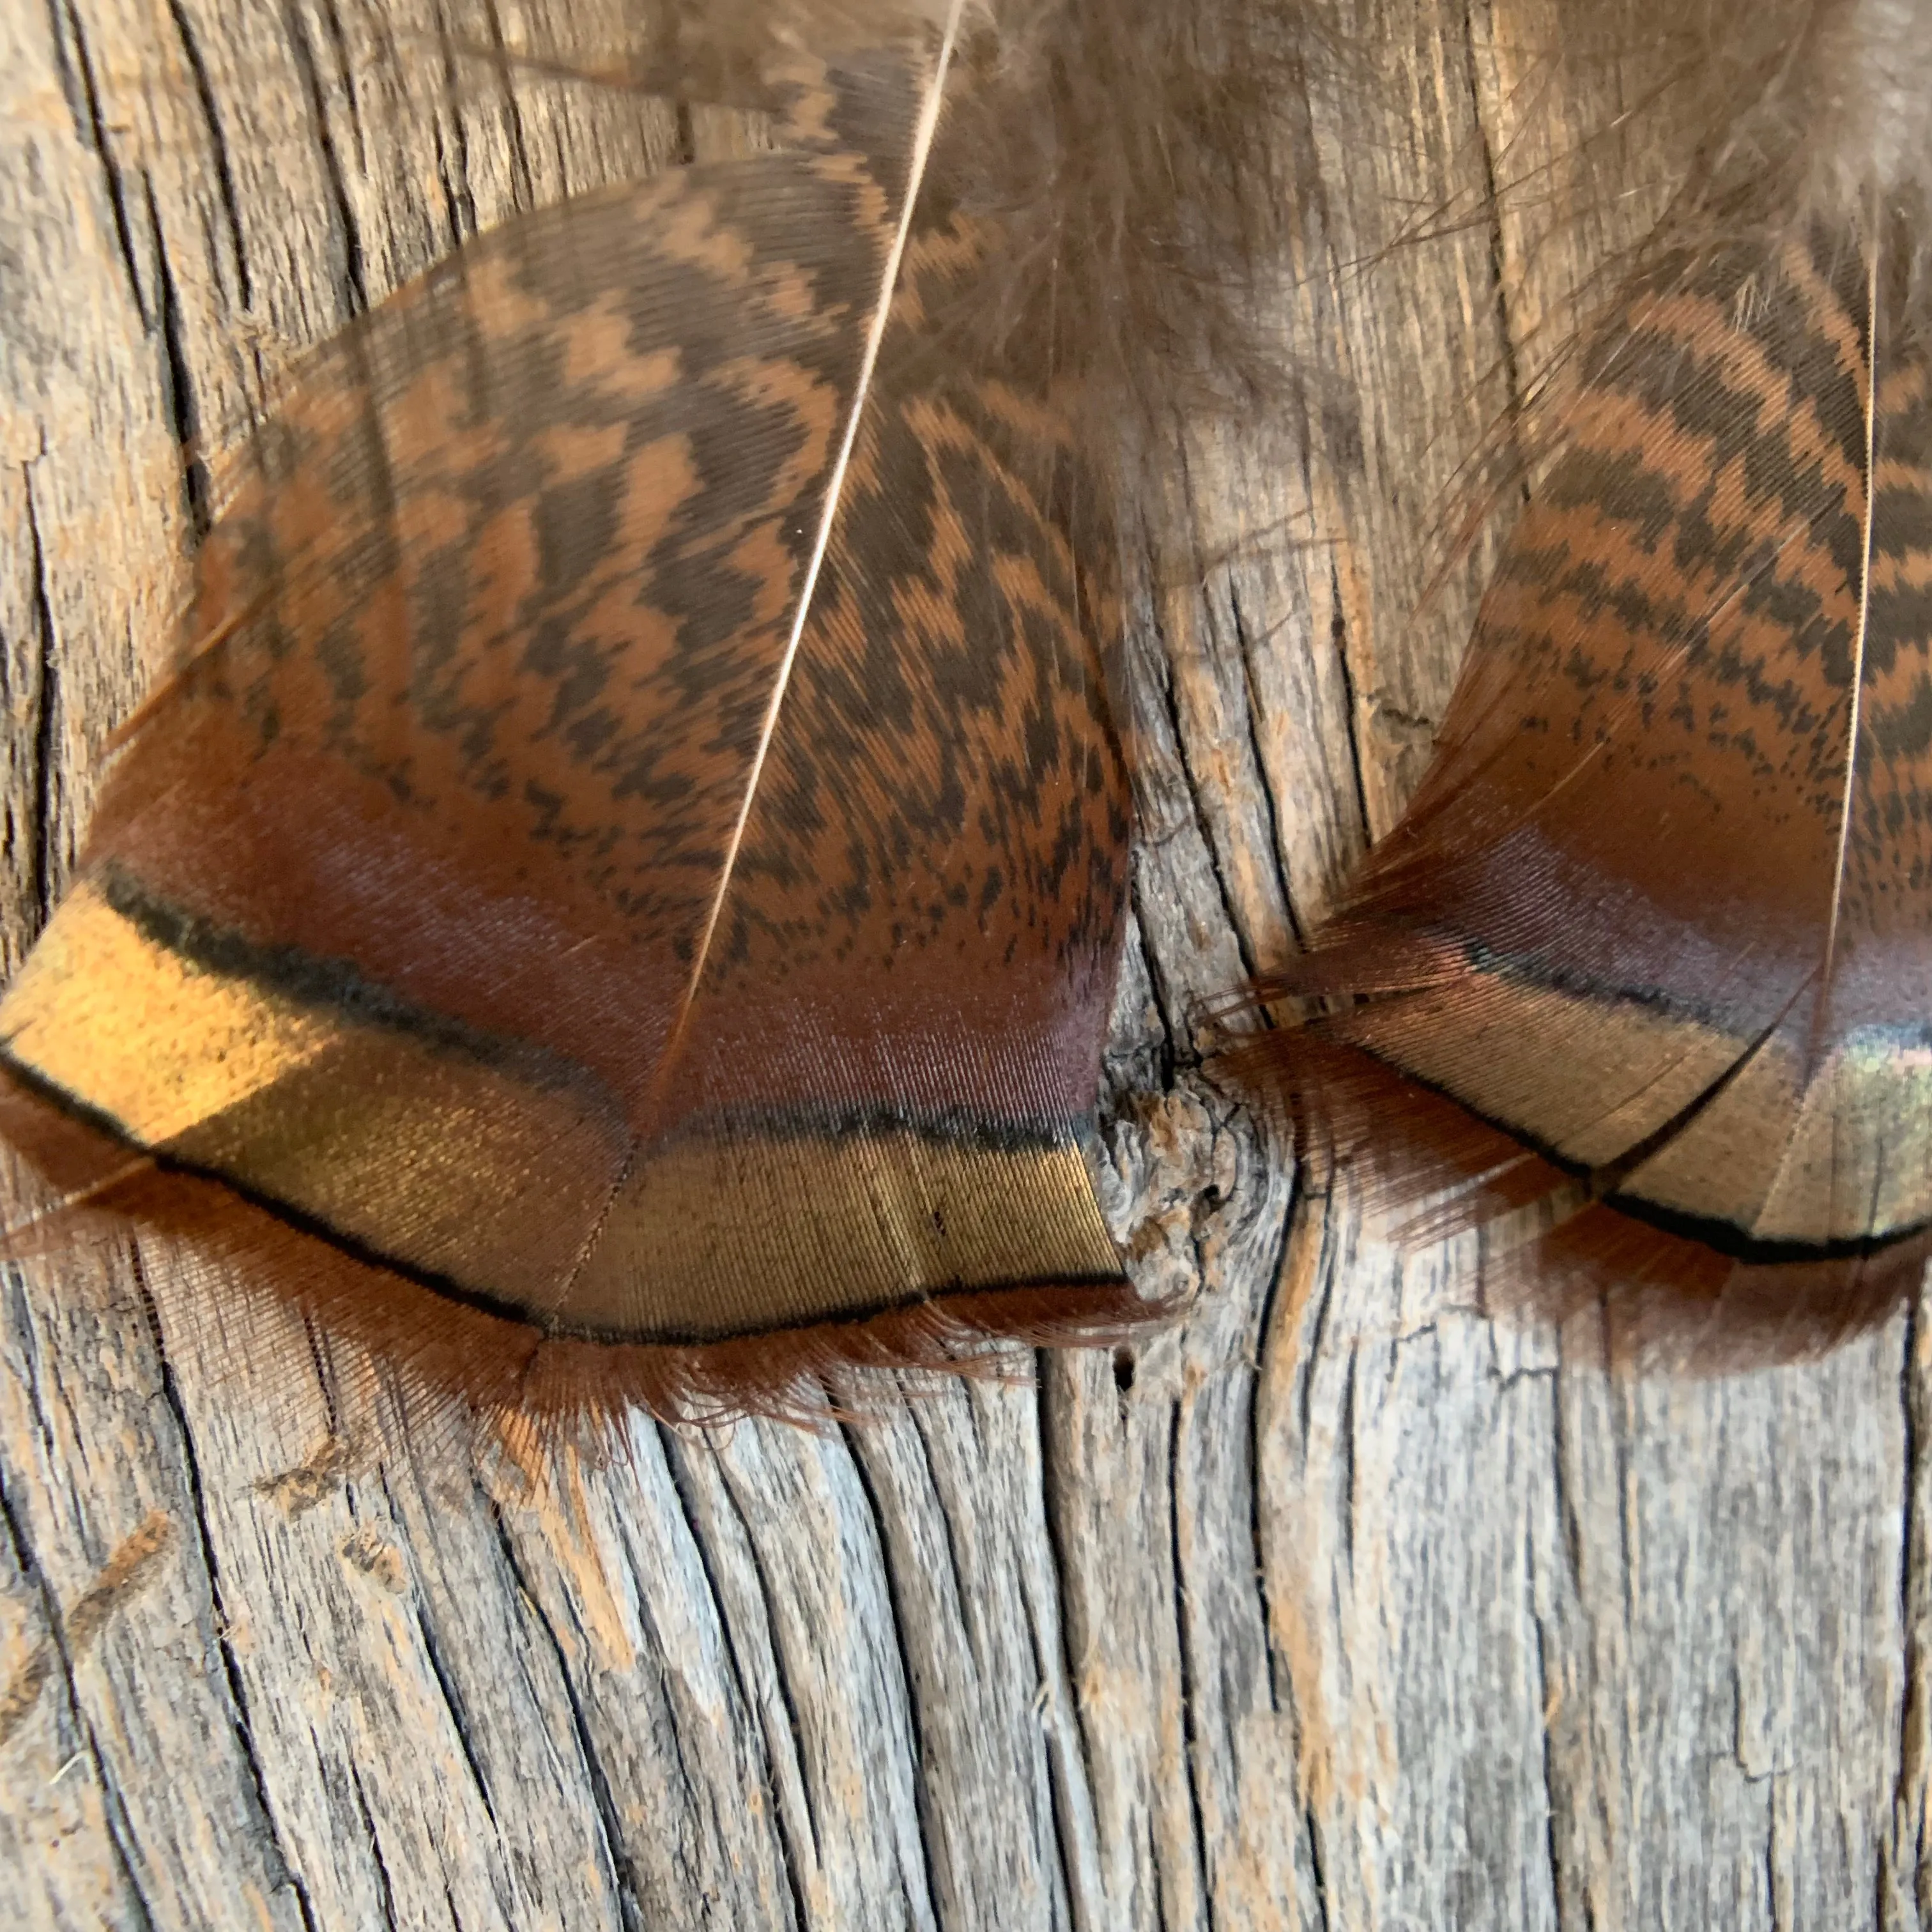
{"points": [[622, 896]]}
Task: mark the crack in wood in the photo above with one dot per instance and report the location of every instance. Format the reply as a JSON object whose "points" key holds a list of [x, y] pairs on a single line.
{"points": [[780, 1682], [183, 410], [1908, 1794], [44, 866], [895, 1618], [1244, 647], [77, 77], [217, 141], [1552, 1853], [682, 1488], [610, 1821], [1264, 1321], [1203, 1874], [236, 1706], [1351, 703], [386, 1890], [352, 268]]}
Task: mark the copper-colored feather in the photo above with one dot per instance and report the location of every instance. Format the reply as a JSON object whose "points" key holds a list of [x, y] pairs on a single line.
{"points": [[623, 896], [1654, 937]]}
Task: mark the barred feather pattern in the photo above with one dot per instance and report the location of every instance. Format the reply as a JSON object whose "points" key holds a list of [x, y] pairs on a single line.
{"points": [[1653, 942], [643, 748], [620, 900]]}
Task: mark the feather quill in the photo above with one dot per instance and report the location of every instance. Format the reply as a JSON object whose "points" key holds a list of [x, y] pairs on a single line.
{"points": [[1653, 941]]}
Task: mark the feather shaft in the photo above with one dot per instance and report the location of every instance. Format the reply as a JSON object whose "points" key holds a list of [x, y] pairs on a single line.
{"points": [[1854, 728], [875, 334]]}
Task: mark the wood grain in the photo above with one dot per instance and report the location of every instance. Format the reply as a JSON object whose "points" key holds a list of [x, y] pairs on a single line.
{"points": [[1333, 1606]]}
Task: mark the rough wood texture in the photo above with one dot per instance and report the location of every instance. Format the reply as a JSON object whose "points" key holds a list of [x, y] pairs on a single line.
{"points": [[1332, 1607]]}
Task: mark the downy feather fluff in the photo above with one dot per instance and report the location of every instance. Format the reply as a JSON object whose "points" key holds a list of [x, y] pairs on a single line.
{"points": [[1652, 944]]}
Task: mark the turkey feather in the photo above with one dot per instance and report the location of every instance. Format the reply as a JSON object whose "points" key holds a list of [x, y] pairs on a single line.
{"points": [[621, 897], [1654, 937]]}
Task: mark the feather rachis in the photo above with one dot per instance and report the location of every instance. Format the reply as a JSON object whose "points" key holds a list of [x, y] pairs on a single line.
{"points": [[1854, 728], [923, 134]]}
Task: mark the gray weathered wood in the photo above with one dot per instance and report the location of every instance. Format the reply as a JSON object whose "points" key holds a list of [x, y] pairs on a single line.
{"points": [[1332, 1606]]}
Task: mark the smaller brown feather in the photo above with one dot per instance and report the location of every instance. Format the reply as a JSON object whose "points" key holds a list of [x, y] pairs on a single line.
{"points": [[1652, 944]]}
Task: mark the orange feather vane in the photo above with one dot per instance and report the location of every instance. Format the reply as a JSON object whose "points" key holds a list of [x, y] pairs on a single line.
{"points": [[621, 898], [1652, 944]]}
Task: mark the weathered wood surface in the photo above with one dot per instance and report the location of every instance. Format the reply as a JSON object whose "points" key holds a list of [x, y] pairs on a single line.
{"points": [[1331, 1606]]}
